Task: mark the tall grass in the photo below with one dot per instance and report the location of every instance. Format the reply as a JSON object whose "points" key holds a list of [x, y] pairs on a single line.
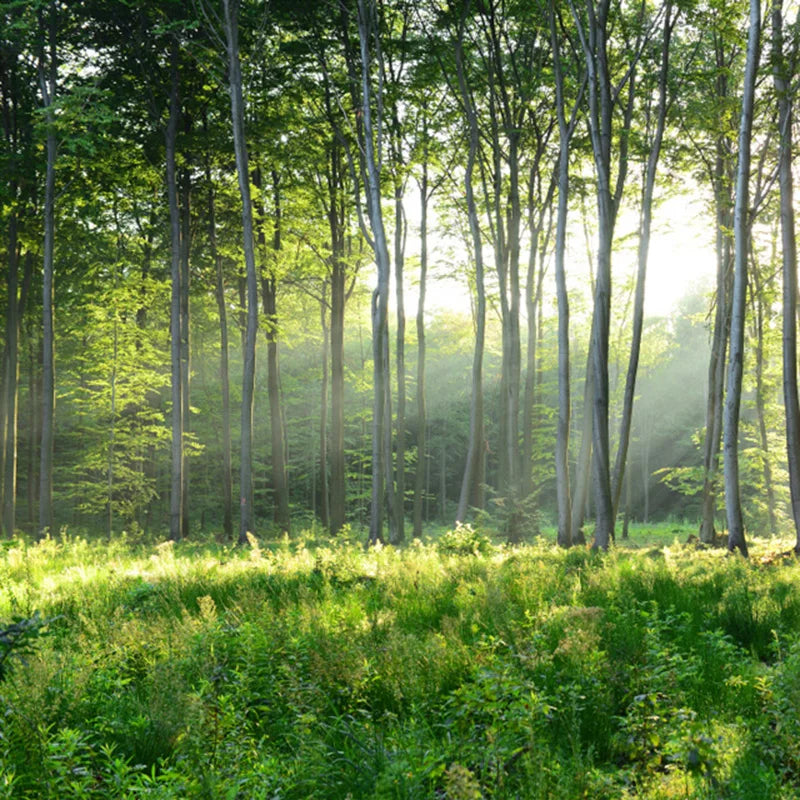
{"points": [[457, 669]]}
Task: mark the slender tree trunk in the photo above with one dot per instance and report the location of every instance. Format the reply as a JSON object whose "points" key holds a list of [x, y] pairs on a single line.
{"points": [[48, 68], [722, 180], [224, 374], [400, 347], [10, 386], [566, 535], [475, 451], [269, 298], [644, 249], [761, 411], [34, 417], [782, 77], [177, 483], [594, 43], [185, 249], [733, 507], [247, 516], [381, 494], [325, 505], [338, 488], [419, 475], [583, 464]]}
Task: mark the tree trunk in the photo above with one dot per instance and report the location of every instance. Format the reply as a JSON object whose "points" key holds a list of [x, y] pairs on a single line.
{"points": [[185, 214], [325, 504], [644, 249], [8, 455], [565, 536], [247, 517], [269, 297], [733, 507], [419, 474], [224, 375], [473, 469], [723, 188], [782, 77], [336, 224], [381, 416], [400, 349], [177, 483], [48, 69], [583, 464], [594, 43]]}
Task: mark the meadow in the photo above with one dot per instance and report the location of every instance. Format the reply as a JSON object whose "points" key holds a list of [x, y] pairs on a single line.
{"points": [[455, 668]]}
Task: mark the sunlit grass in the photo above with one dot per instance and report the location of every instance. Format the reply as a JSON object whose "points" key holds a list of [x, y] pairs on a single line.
{"points": [[316, 668]]}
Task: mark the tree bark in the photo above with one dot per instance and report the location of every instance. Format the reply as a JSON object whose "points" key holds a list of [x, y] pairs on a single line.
{"points": [[473, 469], [185, 216], [325, 504], [176, 526], [224, 373], [757, 298], [48, 69], [419, 473], [723, 201], [644, 249], [336, 223], [733, 507], [269, 301], [381, 494], [247, 516], [565, 533], [782, 77], [400, 337]]}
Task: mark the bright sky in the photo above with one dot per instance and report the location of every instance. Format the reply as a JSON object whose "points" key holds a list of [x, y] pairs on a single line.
{"points": [[681, 258]]}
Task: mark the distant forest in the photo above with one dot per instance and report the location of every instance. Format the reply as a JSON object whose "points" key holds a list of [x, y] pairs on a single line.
{"points": [[383, 263]]}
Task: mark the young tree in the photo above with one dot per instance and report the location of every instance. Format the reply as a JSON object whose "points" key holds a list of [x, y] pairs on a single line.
{"points": [[48, 72], [741, 228], [177, 486], [230, 23], [782, 77]]}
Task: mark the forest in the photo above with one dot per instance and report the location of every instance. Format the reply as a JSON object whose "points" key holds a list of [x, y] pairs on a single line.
{"points": [[399, 400], [270, 264]]}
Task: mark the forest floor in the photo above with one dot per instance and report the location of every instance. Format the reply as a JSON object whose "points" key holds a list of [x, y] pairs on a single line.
{"points": [[455, 668]]}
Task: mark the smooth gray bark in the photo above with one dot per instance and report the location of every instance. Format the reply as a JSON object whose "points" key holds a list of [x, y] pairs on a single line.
{"points": [[381, 495], [782, 77], [565, 533], [733, 506], [48, 69], [419, 474], [247, 513], [176, 384], [224, 373], [643, 253], [473, 470]]}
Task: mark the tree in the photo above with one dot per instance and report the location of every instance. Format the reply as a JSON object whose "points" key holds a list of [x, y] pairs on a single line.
{"points": [[733, 507], [230, 24], [178, 486], [782, 78], [473, 470], [48, 72], [644, 247]]}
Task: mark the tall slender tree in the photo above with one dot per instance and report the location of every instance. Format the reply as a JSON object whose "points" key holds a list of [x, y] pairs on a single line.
{"points": [[48, 72], [741, 231], [782, 73]]}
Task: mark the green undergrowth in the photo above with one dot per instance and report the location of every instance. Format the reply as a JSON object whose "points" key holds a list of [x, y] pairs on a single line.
{"points": [[455, 668]]}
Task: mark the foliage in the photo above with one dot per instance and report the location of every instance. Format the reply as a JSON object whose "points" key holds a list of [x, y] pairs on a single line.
{"points": [[316, 669]]}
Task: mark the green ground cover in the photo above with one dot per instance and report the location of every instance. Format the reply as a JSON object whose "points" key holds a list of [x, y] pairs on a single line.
{"points": [[455, 668]]}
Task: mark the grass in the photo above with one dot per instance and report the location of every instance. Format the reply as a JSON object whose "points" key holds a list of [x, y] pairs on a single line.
{"points": [[454, 668]]}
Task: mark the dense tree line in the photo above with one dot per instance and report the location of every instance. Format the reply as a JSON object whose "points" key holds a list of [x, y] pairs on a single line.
{"points": [[180, 177]]}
